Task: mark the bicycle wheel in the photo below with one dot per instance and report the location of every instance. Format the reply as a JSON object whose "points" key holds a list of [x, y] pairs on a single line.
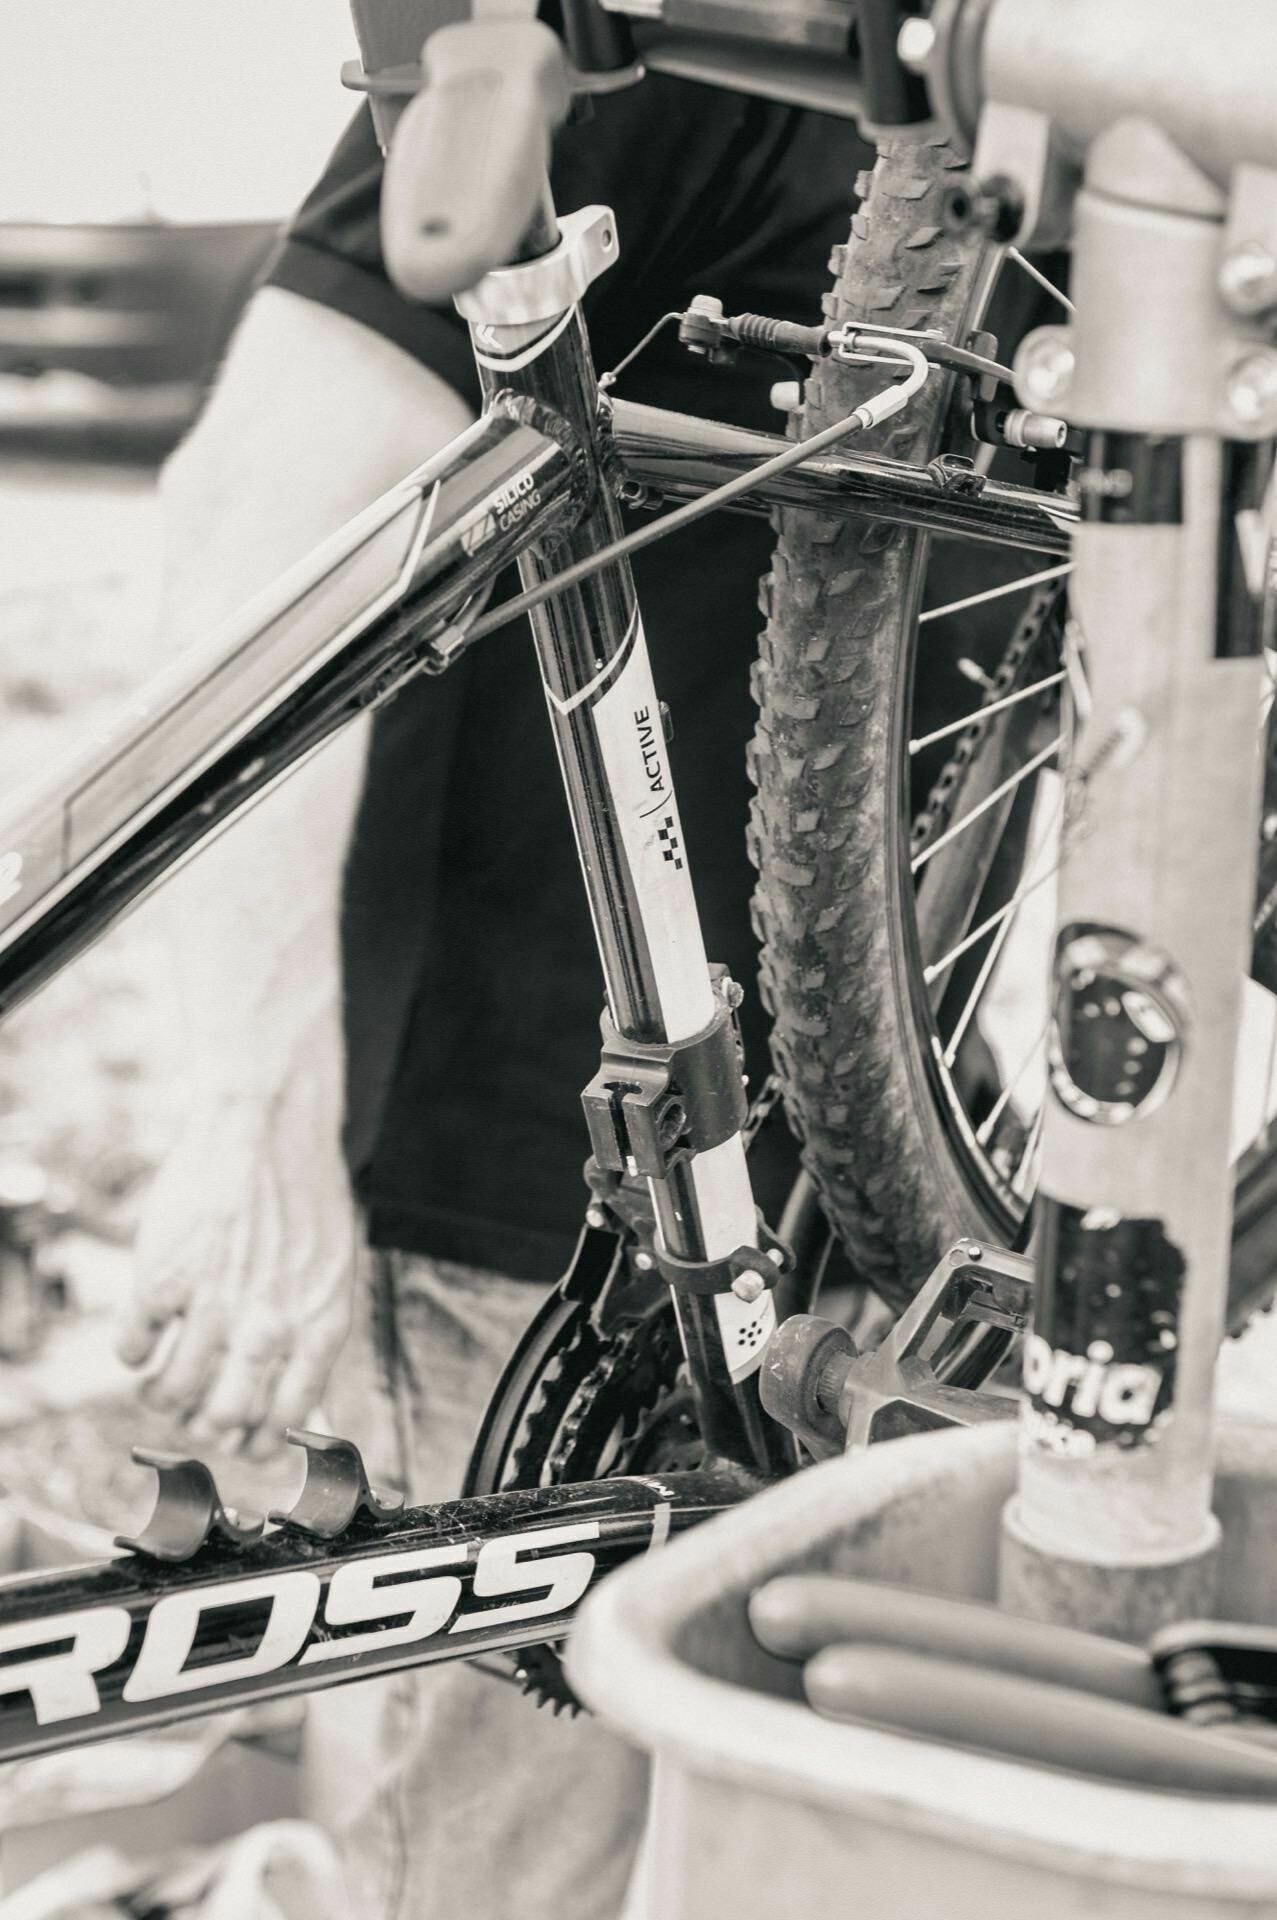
{"points": [[906, 829]]}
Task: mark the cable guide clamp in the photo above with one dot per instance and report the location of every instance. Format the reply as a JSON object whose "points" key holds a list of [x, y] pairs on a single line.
{"points": [[652, 1103], [748, 1272], [188, 1511], [543, 288], [336, 1489]]}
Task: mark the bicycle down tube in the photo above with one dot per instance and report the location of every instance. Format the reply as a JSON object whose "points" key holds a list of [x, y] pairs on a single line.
{"points": [[98, 1651]]}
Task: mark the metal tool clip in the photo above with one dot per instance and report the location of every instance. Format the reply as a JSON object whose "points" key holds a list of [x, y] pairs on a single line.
{"points": [[336, 1489], [188, 1511]]}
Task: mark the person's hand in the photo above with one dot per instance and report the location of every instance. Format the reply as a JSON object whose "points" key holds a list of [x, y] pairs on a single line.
{"points": [[246, 1266]]}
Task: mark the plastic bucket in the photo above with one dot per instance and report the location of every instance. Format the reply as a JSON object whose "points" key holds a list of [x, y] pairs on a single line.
{"points": [[762, 1810]]}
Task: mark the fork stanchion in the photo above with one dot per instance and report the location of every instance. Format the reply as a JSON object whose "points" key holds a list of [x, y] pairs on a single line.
{"points": [[661, 1119], [1112, 1525]]}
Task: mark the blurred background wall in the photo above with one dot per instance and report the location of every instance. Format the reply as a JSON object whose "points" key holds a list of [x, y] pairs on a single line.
{"points": [[148, 148]]}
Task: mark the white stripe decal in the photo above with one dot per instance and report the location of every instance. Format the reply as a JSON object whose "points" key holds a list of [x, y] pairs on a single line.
{"points": [[660, 1526], [601, 677], [529, 354]]}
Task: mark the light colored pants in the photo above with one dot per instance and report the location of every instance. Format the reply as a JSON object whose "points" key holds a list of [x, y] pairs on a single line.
{"points": [[452, 1796]]}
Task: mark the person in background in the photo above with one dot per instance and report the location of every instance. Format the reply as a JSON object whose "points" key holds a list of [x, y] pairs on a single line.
{"points": [[390, 977]]}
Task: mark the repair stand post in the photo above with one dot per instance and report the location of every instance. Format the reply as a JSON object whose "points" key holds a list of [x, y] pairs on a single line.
{"points": [[1113, 1528]]}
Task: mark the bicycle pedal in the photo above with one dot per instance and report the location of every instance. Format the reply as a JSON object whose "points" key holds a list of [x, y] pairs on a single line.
{"points": [[336, 1489], [188, 1511]]}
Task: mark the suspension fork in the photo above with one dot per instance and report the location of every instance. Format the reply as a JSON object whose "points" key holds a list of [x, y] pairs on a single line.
{"points": [[663, 1008]]}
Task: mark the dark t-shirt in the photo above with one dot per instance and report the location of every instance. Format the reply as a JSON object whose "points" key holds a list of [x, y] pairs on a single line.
{"points": [[472, 983]]}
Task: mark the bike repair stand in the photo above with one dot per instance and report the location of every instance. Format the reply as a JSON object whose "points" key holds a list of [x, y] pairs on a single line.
{"points": [[1167, 367]]}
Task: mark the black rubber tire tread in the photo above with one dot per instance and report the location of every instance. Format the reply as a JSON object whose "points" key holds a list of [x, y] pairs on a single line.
{"points": [[833, 684]]}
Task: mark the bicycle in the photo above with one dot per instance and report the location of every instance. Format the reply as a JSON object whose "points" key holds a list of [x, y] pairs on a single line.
{"points": [[403, 590]]}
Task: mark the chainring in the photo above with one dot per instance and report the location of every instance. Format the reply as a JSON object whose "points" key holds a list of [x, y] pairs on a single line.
{"points": [[609, 1404]]}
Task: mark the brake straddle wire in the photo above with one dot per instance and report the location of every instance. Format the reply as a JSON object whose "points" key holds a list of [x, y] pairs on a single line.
{"points": [[871, 413]]}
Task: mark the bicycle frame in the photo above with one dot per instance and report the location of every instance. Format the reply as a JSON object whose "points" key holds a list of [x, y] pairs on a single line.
{"points": [[100, 1651], [107, 1650], [364, 613]]}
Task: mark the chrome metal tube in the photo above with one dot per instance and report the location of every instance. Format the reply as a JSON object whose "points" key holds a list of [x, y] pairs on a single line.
{"points": [[675, 456]]}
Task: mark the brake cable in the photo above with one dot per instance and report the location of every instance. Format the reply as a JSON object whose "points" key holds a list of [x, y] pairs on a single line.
{"points": [[871, 413]]}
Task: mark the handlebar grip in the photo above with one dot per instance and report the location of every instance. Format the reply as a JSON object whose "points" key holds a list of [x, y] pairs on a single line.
{"points": [[468, 161]]}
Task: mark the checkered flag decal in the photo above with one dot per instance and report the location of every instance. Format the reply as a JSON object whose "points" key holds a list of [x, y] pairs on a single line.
{"points": [[669, 842]]}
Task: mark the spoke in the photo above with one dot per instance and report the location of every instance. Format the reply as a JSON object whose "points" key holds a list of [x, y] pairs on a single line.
{"points": [[985, 713], [990, 961], [1004, 920], [960, 826], [1022, 1181], [938, 967], [990, 1121], [1035, 273], [996, 593]]}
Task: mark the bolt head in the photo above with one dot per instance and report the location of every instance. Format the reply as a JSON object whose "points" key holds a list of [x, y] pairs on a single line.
{"points": [[1252, 389], [974, 1250], [1044, 365], [644, 1262], [595, 1217], [1269, 828], [915, 44], [748, 1287], [1248, 279], [776, 1255]]}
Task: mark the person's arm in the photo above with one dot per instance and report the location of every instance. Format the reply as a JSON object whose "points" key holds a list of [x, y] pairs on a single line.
{"points": [[248, 1241]]}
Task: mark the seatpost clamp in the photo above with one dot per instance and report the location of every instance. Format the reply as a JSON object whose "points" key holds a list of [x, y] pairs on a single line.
{"points": [[540, 289]]}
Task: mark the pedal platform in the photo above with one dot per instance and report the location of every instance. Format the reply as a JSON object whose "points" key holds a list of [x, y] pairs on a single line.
{"points": [[816, 1381]]}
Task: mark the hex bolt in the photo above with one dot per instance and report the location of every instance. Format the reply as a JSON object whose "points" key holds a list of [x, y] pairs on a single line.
{"points": [[671, 1123], [1248, 279], [644, 1261], [1252, 389], [995, 207], [915, 44], [776, 1255], [1044, 364], [974, 1250], [595, 1217], [748, 1286]]}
